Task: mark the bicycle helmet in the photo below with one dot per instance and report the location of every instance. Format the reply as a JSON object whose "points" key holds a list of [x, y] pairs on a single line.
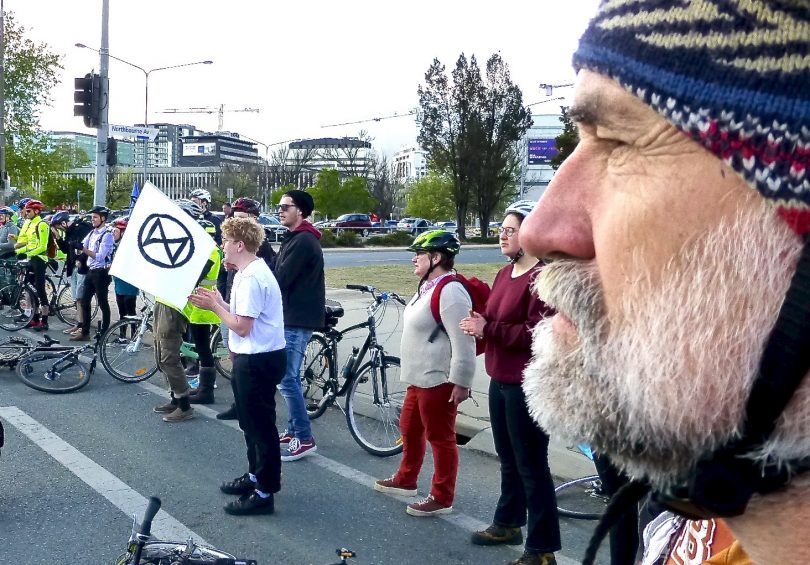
{"points": [[7, 211], [121, 223], [101, 211], [34, 205], [246, 205], [521, 208], [201, 193], [57, 218], [23, 201], [436, 240], [189, 207]]}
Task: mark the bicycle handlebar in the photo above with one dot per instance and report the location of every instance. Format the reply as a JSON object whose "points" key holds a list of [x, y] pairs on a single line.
{"points": [[378, 297]]}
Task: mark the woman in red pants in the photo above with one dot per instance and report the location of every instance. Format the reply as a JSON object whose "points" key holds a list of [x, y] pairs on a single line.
{"points": [[438, 367], [526, 485]]}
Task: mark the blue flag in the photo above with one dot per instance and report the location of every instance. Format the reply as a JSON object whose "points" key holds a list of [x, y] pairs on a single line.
{"points": [[136, 192]]}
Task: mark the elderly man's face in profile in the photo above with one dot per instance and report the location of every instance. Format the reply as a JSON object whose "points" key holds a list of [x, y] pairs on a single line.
{"points": [[669, 275]]}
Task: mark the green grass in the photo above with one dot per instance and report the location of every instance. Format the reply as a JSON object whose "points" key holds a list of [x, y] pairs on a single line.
{"points": [[400, 278]]}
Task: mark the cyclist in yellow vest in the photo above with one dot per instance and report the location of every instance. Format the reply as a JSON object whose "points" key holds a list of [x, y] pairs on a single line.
{"points": [[170, 327], [33, 244]]}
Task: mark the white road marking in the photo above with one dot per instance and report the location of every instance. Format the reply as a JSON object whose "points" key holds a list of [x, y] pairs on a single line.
{"points": [[121, 495], [457, 518]]}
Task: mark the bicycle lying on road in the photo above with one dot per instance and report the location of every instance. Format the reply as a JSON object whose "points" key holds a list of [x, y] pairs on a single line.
{"points": [[143, 550], [19, 301], [132, 359], [583, 498], [50, 367], [373, 390]]}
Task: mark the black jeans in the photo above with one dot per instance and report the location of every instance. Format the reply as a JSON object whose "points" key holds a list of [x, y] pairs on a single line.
{"points": [[526, 483], [38, 266], [624, 534], [201, 336], [254, 379], [98, 283], [127, 304]]}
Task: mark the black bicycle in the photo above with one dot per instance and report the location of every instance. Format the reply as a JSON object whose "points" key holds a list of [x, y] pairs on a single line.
{"points": [[142, 549], [19, 301], [373, 390], [58, 368]]}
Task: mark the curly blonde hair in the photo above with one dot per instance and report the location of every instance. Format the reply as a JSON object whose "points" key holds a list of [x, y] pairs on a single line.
{"points": [[246, 230]]}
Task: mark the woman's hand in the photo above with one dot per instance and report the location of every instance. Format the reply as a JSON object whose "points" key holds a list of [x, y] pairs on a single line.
{"points": [[204, 298], [473, 325], [459, 394]]}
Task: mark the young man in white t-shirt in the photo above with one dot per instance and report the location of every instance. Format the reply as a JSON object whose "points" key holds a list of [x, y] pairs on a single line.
{"points": [[256, 339]]}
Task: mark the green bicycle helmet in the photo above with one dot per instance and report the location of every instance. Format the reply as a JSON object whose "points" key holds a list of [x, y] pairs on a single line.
{"points": [[436, 240]]}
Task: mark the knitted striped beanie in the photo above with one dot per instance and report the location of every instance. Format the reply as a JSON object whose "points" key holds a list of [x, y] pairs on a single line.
{"points": [[732, 74]]}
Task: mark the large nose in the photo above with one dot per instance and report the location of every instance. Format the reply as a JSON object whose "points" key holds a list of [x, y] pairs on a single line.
{"points": [[560, 225]]}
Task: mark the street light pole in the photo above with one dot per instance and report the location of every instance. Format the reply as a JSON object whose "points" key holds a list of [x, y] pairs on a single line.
{"points": [[146, 74], [100, 192]]}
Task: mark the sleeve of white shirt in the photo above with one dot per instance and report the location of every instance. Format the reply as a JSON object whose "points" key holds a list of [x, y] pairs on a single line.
{"points": [[248, 298]]}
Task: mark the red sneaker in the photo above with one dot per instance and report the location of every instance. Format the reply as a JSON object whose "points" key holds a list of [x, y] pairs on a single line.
{"points": [[298, 449], [428, 507], [390, 486], [285, 437]]}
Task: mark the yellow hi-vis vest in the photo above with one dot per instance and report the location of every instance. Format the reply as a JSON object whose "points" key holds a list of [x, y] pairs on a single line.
{"points": [[197, 315], [35, 235]]}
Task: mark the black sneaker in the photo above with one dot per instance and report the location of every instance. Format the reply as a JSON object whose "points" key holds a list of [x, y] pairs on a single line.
{"points": [[229, 414], [497, 535], [240, 485], [251, 504]]}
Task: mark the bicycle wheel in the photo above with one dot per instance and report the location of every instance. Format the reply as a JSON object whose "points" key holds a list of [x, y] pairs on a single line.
{"points": [[17, 306], [222, 357], [160, 552], [582, 498], [49, 372], [66, 307], [130, 359], [373, 407], [319, 389]]}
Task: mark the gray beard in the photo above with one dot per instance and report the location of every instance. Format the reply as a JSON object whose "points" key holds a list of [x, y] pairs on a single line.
{"points": [[664, 379]]}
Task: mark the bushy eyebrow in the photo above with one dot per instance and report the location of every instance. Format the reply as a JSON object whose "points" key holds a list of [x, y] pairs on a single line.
{"points": [[594, 110]]}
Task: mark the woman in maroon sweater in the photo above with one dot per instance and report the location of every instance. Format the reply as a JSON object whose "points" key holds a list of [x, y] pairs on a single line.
{"points": [[526, 485]]}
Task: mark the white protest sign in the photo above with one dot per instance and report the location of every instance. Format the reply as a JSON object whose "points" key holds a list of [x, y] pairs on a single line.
{"points": [[163, 251]]}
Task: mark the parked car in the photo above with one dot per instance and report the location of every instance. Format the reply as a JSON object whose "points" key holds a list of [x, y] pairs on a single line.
{"points": [[447, 225], [272, 223], [386, 226], [358, 223], [414, 225]]}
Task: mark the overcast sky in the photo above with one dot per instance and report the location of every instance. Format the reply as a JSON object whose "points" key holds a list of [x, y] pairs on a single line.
{"points": [[303, 64]]}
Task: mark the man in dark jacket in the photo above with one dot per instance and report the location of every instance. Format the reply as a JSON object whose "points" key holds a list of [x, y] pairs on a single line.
{"points": [[299, 271], [71, 232]]}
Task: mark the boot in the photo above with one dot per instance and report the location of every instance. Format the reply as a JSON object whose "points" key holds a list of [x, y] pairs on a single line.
{"points": [[193, 369], [205, 392], [183, 412], [167, 408]]}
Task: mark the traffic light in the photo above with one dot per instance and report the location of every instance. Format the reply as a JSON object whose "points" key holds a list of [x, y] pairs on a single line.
{"points": [[87, 97], [112, 152]]}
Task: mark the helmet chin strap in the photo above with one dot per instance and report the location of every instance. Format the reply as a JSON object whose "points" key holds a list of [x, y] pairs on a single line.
{"points": [[723, 481], [517, 256]]}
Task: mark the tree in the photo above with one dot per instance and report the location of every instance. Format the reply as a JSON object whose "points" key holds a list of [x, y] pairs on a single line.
{"points": [[567, 141], [470, 130], [119, 187], [242, 178], [504, 122], [334, 197], [288, 165], [31, 71], [60, 192], [383, 188], [352, 160], [431, 197]]}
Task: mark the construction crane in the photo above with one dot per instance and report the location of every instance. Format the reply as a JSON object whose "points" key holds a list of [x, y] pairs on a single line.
{"points": [[411, 112], [220, 111]]}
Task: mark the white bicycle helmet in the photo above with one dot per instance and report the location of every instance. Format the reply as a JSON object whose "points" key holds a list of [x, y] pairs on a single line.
{"points": [[189, 207], [201, 193], [521, 207]]}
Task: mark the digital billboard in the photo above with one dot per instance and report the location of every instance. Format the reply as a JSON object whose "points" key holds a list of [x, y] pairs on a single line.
{"points": [[541, 151]]}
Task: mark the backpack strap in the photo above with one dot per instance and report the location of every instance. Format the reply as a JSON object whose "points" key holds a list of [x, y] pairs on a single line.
{"points": [[435, 305]]}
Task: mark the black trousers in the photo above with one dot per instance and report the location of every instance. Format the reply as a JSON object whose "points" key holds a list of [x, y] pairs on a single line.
{"points": [[126, 307], [38, 267], [254, 379], [526, 483], [201, 336], [97, 283], [624, 534]]}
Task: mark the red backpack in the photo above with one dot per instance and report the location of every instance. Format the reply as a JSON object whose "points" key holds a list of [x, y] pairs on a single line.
{"points": [[479, 294]]}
